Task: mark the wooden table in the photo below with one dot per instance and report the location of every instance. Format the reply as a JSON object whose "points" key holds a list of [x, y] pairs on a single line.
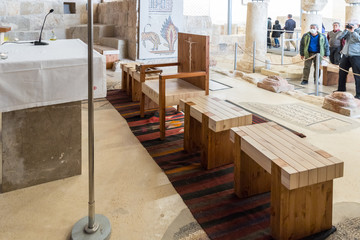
{"points": [[207, 127], [299, 175]]}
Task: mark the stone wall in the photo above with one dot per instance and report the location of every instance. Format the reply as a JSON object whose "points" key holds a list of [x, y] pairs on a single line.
{"points": [[124, 15], [26, 17]]}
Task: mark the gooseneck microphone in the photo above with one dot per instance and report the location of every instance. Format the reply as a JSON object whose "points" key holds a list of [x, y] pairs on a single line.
{"points": [[40, 42]]}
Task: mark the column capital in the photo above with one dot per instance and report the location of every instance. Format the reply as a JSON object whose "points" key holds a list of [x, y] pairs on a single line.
{"points": [[352, 1], [313, 5]]}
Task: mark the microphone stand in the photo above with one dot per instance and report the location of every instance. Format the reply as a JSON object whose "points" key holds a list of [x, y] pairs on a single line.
{"points": [[38, 43]]}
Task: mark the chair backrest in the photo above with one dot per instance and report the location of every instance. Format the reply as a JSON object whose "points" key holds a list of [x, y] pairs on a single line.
{"points": [[193, 56]]}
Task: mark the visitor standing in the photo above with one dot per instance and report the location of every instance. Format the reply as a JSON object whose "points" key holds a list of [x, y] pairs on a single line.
{"points": [[276, 33], [269, 24], [312, 42], [351, 56], [290, 25], [335, 44]]}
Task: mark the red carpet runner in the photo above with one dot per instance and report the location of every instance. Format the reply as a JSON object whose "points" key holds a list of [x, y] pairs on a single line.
{"points": [[208, 194]]}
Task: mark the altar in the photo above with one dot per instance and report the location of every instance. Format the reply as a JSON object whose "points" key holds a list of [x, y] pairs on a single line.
{"points": [[41, 89]]}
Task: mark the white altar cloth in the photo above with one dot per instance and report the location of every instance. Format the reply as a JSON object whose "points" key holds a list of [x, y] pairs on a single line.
{"points": [[34, 76]]}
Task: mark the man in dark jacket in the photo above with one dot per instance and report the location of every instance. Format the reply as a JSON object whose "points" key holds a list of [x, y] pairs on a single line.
{"points": [[312, 42], [276, 33], [268, 33], [351, 56], [290, 25]]}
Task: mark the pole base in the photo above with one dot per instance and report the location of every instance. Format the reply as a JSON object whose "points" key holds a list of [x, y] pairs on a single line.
{"points": [[37, 43], [103, 233]]}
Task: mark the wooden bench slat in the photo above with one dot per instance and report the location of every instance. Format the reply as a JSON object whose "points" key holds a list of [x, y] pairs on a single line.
{"points": [[302, 155], [304, 173], [222, 118]]}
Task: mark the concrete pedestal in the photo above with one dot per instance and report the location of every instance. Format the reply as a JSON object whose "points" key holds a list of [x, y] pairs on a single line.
{"points": [[256, 30], [40, 145]]}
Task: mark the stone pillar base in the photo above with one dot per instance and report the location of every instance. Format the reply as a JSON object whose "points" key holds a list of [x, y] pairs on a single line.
{"points": [[40, 145]]}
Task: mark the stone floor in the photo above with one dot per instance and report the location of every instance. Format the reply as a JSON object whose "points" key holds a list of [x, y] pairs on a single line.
{"points": [[133, 192]]}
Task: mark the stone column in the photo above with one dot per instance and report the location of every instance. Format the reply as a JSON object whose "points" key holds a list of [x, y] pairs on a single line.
{"points": [[352, 11], [310, 16], [256, 29]]}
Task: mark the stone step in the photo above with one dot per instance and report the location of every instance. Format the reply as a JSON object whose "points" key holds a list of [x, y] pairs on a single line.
{"points": [[114, 42], [105, 50], [100, 30]]}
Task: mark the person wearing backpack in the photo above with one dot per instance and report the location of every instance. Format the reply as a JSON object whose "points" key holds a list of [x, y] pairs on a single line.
{"points": [[276, 33]]}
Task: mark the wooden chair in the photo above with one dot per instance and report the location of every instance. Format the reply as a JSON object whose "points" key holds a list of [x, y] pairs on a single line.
{"points": [[191, 79]]}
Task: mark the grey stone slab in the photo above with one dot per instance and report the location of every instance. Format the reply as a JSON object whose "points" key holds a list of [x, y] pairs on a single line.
{"points": [[40, 145]]}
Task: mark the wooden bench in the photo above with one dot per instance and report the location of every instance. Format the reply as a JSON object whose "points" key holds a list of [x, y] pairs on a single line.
{"points": [[207, 126], [126, 80], [299, 175], [150, 74], [331, 75]]}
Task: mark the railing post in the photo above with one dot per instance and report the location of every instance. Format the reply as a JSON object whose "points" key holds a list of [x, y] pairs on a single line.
{"points": [[254, 53], [235, 60], [282, 49], [317, 74]]}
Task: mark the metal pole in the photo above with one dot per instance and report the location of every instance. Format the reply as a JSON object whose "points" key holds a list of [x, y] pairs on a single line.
{"points": [[89, 230], [282, 49], [92, 226], [235, 60], [229, 17], [297, 42], [317, 74], [254, 55]]}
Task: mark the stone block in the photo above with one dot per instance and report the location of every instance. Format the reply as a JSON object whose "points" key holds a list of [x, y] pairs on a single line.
{"points": [[40, 145], [12, 8], [132, 50], [32, 7], [123, 19], [131, 33], [3, 9], [56, 5], [342, 103], [19, 23], [275, 84], [132, 19]]}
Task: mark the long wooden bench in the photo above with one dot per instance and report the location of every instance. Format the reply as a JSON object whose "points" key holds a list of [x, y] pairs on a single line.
{"points": [[331, 75], [207, 126], [299, 175], [126, 80]]}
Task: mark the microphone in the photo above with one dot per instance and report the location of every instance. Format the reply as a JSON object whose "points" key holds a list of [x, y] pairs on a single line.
{"points": [[40, 42]]}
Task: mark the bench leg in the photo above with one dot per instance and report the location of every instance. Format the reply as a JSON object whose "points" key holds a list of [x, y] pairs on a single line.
{"points": [[249, 177], [188, 128], [123, 80], [142, 105], [299, 212], [162, 108], [128, 84], [133, 90]]}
